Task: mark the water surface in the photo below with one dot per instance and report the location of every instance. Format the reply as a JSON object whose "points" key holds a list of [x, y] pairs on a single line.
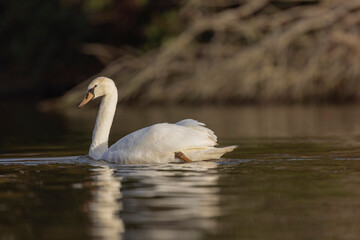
{"points": [[295, 176]]}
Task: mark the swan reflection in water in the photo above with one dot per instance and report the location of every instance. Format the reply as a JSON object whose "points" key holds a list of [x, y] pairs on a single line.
{"points": [[106, 204], [177, 201]]}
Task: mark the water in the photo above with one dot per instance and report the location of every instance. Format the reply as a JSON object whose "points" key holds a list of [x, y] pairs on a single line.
{"points": [[295, 176]]}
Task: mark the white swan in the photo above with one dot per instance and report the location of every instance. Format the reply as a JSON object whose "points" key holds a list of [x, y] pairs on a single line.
{"points": [[187, 140]]}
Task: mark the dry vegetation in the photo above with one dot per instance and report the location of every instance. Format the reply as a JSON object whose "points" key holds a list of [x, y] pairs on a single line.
{"points": [[244, 51]]}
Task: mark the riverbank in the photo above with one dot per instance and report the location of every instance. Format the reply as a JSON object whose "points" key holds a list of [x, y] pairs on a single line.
{"points": [[256, 52]]}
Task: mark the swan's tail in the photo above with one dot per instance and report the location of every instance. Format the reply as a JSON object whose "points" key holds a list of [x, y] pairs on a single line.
{"points": [[223, 150], [207, 153]]}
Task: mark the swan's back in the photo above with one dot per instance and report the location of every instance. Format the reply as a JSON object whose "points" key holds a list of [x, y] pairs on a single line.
{"points": [[159, 142]]}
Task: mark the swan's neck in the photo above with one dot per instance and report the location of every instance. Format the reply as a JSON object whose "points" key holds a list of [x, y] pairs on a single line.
{"points": [[103, 124]]}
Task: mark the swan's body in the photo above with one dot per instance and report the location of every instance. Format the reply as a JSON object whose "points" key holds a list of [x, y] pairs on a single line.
{"points": [[154, 144]]}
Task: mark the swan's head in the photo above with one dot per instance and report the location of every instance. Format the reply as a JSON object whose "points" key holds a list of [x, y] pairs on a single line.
{"points": [[100, 86]]}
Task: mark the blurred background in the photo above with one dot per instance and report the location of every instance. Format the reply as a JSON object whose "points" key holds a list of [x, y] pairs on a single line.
{"points": [[46, 46], [181, 51], [271, 68]]}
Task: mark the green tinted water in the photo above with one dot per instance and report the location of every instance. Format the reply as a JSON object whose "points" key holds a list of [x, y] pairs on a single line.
{"points": [[295, 176]]}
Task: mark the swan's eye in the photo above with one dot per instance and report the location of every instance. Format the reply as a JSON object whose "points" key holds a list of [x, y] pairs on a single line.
{"points": [[95, 86]]}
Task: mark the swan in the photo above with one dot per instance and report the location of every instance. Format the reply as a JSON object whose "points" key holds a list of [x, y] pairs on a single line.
{"points": [[184, 141]]}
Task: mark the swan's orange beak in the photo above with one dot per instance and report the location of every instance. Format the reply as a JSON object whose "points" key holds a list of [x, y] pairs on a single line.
{"points": [[87, 99]]}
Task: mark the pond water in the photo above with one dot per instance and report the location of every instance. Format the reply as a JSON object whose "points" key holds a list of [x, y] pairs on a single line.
{"points": [[295, 175]]}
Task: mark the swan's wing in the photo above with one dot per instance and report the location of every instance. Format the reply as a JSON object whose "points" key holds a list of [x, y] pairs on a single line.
{"points": [[166, 137], [161, 141], [190, 123], [199, 126]]}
